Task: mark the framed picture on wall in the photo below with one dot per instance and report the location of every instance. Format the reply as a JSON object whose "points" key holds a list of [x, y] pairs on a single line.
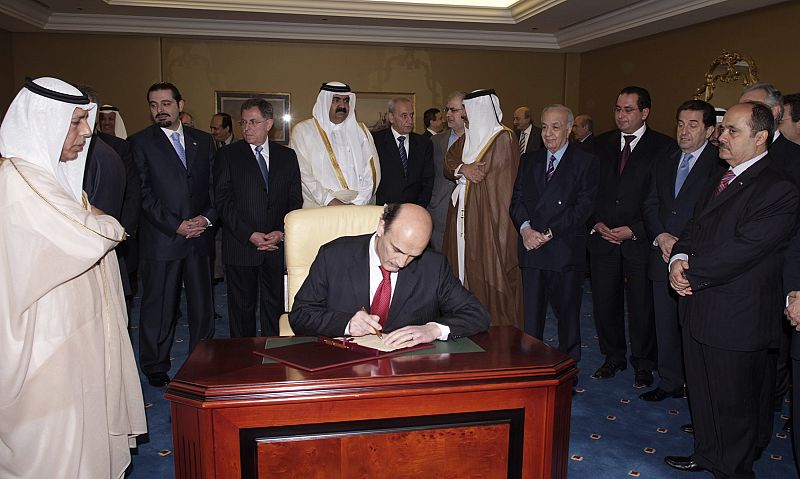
{"points": [[372, 106], [230, 102]]}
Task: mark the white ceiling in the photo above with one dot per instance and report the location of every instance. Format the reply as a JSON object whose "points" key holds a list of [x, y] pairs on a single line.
{"points": [[534, 25]]}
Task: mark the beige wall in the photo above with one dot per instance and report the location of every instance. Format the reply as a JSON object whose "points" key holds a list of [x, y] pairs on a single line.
{"points": [[199, 67], [672, 65], [120, 68]]}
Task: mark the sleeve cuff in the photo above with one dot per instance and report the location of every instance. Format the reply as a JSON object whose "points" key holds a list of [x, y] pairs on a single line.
{"points": [[444, 329], [681, 256]]}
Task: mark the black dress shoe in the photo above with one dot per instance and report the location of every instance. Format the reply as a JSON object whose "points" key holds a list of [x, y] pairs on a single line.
{"points": [[158, 380], [659, 394], [643, 378], [688, 428], [683, 463], [607, 370]]}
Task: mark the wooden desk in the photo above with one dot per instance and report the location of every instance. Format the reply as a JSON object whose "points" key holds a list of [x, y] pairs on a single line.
{"points": [[503, 413]]}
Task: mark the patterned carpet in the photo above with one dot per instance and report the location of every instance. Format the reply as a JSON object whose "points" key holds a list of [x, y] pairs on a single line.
{"points": [[613, 433]]}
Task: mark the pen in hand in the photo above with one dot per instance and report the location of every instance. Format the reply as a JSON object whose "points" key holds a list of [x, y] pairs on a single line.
{"points": [[377, 331]]}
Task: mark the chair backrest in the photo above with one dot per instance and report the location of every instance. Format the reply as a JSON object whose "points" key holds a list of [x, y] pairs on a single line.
{"points": [[308, 229]]}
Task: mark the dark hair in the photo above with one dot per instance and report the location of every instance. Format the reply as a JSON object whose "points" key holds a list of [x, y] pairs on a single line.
{"points": [[429, 116], [793, 100], [263, 106], [588, 123], [709, 113], [390, 211], [226, 120], [761, 119], [643, 96], [176, 95]]}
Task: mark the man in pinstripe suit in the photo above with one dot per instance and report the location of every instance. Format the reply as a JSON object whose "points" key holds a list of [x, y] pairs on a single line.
{"points": [[256, 183]]}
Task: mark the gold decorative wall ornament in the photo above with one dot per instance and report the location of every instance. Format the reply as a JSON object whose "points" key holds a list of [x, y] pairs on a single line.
{"points": [[730, 68]]}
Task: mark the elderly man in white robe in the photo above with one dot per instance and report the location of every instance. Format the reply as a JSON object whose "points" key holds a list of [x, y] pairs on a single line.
{"points": [[70, 398], [337, 156]]}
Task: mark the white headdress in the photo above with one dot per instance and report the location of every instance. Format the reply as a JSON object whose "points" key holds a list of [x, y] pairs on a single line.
{"points": [[119, 125], [484, 117], [36, 125]]}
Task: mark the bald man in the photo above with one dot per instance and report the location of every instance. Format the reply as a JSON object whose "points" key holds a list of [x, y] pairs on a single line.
{"points": [[529, 135], [388, 282]]}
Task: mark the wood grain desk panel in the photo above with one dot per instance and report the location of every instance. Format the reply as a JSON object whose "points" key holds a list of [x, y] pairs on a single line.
{"points": [[228, 408]]}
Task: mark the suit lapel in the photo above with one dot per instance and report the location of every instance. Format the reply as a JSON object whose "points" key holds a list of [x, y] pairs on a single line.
{"points": [[165, 145], [190, 145], [735, 186], [406, 282], [538, 172], [358, 273], [700, 170]]}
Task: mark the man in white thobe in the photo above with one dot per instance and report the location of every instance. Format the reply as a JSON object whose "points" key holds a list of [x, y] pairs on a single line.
{"points": [[337, 156], [70, 398]]}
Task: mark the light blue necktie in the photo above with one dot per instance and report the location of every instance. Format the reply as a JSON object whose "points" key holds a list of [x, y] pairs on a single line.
{"points": [[683, 172], [403, 157], [262, 165], [176, 142]]}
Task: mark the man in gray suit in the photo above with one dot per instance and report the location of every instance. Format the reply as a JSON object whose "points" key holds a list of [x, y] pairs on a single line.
{"points": [[443, 187]]}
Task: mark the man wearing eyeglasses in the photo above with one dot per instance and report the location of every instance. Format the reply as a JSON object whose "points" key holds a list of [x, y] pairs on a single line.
{"points": [[175, 241], [618, 246], [442, 186], [256, 183]]}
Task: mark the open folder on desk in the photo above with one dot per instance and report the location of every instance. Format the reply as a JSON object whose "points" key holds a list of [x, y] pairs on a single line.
{"points": [[326, 353]]}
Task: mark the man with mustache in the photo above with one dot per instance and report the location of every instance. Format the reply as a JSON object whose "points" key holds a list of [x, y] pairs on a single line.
{"points": [[175, 240], [68, 375], [337, 156], [727, 269]]}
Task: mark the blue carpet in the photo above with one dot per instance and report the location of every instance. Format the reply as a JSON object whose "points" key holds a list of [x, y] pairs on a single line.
{"points": [[613, 433]]}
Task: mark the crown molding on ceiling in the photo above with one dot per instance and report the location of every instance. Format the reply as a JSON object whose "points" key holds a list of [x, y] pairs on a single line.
{"points": [[300, 31], [640, 19], [642, 14], [352, 8], [32, 13]]}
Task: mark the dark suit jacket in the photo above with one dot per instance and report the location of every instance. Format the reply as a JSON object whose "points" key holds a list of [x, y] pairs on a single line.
{"points": [[395, 187], [132, 200], [587, 144], [337, 286], [786, 158], [245, 205], [620, 197], [104, 178], [791, 282], [563, 205], [533, 141], [735, 245], [663, 212], [172, 193], [427, 134]]}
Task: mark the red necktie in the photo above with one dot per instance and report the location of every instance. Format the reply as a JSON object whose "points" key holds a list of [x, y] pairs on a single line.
{"points": [[383, 298], [626, 152], [724, 181]]}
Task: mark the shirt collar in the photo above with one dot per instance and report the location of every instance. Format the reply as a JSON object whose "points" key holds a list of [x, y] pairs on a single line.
{"points": [[558, 153], [696, 153], [397, 135], [265, 148], [738, 170], [169, 132]]}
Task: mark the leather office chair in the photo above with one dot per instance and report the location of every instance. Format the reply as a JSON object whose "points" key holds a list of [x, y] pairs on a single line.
{"points": [[308, 229]]}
